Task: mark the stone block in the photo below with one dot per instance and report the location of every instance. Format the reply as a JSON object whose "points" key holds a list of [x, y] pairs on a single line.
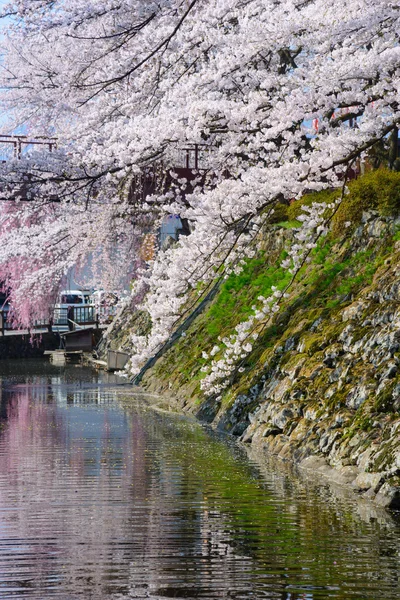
{"points": [[366, 481], [388, 496]]}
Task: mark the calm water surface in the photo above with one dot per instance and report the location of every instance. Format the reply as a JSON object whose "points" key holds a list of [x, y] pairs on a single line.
{"points": [[103, 497]]}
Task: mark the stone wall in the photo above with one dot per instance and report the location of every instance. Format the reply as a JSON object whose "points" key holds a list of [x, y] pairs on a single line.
{"points": [[322, 385]]}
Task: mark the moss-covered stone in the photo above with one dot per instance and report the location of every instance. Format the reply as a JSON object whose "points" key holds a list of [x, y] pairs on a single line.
{"points": [[328, 354]]}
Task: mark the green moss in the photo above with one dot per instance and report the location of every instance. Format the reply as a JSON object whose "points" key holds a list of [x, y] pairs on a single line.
{"points": [[365, 423], [291, 360], [338, 399], [383, 402], [361, 422], [356, 271], [359, 333], [376, 190], [312, 342], [384, 459]]}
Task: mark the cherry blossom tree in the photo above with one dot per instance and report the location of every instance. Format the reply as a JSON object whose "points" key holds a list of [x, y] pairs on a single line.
{"points": [[125, 84]]}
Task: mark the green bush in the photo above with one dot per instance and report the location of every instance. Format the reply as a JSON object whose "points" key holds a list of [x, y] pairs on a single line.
{"points": [[388, 192], [376, 190]]}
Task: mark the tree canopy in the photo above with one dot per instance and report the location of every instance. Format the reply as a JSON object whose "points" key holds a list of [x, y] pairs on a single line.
{"points": [[125, 85]]}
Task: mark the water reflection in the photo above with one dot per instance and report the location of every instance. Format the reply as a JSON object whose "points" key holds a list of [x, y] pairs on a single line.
{"points": [[98, 500]]}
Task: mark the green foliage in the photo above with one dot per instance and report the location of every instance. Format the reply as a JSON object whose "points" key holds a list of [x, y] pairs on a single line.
{"points": [[240, 292], [237, 295], [289, 224], [325, 196], [321, 252], [396, 236], [335, 280], [348, 286], [376, 190]]}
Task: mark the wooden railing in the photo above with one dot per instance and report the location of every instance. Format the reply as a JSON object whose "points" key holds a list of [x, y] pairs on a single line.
{"points": [[63, 317], [79, 315]]}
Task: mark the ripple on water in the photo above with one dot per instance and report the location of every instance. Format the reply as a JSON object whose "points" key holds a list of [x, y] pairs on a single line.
{"points": [[102, 501]]}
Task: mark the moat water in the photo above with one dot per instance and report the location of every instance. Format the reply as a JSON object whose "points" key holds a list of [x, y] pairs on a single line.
{"points": [[104, 497]]}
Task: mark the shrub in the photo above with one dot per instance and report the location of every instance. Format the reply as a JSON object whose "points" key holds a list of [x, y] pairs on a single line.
{"points": [[376, 190]]}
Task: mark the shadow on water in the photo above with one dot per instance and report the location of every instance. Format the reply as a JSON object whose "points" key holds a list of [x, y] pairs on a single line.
{"points": [[103, 497]]}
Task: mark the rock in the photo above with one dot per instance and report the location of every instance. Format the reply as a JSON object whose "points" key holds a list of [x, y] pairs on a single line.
{"points": [[358, 395], [369, 494], [366, 481], [316, 324], [286, 452], [355, 440], [277, 443], [335, 375], [339, 420], [293, 368], [238, 428], [269, 387], [331, 354], [396, 459], [368, 215], [346, 337], [390, 372], [301, 347], [365, 458], [328, 393], [354, 311], [247, 437], [301, 432], [311, 414], [331, 391], [376, 228], [389, 496], [281, 389], [290, 344], [271, 430], [253, 417], [327, 440], [315, 372], [313, 463], [282, 418], [344, 475]]}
